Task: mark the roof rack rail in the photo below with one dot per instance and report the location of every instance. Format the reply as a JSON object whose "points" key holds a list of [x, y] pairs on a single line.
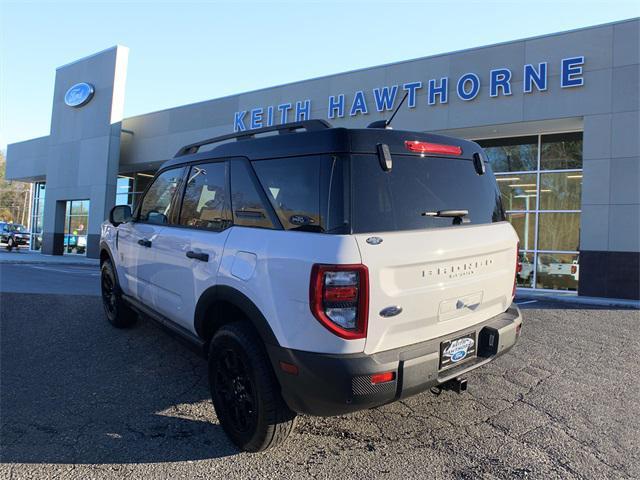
{"points": [[308, 125]]}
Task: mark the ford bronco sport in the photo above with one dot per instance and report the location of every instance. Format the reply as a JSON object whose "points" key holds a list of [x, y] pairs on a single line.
{"points": [[321, 270]]}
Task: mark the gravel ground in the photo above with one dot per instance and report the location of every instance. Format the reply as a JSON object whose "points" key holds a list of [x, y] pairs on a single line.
{"points": [[79, 399]]}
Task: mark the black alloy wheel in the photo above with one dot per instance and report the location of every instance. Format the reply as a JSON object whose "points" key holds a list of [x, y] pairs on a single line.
{"points": [[245, 391], [117, 311], [236, 391], [109, 299]]}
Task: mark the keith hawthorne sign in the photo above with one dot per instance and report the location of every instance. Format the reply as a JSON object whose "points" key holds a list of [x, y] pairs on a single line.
{"points": [[435, 91]]}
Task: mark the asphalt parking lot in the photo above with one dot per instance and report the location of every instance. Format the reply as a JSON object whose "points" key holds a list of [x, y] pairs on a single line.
{"points": [[79, 399]]}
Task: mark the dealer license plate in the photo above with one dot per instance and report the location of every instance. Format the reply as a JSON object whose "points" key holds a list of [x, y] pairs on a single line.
{"points": [[457, 350]]}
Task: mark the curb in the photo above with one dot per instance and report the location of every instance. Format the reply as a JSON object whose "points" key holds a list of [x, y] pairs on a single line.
{"points": [[31, 261], [566, 298], [62, 264]]}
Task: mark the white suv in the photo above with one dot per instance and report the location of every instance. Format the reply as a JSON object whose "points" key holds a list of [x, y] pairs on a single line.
{"points": [[321, 270]]}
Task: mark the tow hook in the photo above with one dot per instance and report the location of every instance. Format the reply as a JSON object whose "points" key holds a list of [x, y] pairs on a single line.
{"points": [[457, 384]]}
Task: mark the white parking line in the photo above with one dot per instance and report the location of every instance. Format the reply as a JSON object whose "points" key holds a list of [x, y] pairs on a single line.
{"points": [[528, 301], [59, 270]]}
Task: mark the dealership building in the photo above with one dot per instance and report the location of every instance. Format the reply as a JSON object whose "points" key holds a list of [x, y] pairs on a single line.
{"points": [[558, 116]]}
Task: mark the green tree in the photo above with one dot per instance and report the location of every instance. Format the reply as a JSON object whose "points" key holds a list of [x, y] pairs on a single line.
{"points": [[14, 197]]}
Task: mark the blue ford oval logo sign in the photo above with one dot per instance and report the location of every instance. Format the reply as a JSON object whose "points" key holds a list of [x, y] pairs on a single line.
{"points": [[79, 94]]}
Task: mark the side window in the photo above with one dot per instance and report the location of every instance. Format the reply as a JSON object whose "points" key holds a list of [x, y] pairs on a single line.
{"points": [[205, 202], [156, 204], [246, 203], [306, 192]]}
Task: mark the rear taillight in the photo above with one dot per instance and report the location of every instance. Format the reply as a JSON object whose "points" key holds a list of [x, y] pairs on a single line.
{"points": [[339, 298], [437, 148], [574, 269], [518, 270]]}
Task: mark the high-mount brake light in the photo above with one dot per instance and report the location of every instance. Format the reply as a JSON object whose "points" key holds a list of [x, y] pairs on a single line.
{"points": [[437, 148], [339, 299]]}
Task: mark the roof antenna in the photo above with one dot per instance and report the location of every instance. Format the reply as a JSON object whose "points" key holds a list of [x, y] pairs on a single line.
{"points": [[387, 123]]}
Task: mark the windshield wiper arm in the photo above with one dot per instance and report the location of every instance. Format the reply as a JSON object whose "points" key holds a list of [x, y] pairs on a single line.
{"points": [[446, 213]]}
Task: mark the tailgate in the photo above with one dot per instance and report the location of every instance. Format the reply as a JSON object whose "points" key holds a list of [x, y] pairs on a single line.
{"points": [[443, 279]]}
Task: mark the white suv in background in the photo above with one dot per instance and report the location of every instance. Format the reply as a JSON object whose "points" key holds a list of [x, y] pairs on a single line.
{"points": [[321, 270]]}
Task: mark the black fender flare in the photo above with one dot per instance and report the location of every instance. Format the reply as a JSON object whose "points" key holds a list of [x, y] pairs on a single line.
{"points": [[238, 299], [105, 247]]}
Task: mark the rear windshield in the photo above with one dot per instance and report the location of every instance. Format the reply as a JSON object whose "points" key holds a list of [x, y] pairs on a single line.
{"points": [[352, 194], [396, 200]]}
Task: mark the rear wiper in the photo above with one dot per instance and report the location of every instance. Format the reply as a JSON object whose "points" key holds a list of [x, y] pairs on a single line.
{"points": [[446, 213], [459, 216]]}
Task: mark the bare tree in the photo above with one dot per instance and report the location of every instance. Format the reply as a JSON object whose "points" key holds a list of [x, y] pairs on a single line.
{"points": [[14, 197]]}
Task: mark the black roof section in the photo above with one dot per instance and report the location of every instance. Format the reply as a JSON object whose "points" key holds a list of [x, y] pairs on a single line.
{"points": [[308, 138]]}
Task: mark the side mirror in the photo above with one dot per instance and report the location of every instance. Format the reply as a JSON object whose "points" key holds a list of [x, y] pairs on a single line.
{"points": [[119, 214]]}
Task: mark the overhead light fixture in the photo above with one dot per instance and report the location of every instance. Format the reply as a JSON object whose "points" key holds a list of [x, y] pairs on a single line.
{"points": [[574, 176], [507, 179], [520, 185], [144, 175]]}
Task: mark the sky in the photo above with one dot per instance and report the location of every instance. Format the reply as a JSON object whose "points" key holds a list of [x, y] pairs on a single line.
{"points": [[183, 52]]}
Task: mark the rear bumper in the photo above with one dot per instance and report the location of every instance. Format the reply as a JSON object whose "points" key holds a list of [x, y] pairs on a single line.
{"points": [[327, 385]]}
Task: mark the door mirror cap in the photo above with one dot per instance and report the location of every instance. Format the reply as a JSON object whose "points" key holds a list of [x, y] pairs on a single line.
{"points": [[119, 214]]}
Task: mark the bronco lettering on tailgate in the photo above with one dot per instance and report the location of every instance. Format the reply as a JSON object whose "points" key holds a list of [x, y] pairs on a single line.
{"points": [[448, 270]]}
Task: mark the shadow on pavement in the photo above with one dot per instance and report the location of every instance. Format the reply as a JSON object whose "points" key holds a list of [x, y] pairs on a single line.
{"points": [[75, 390]]}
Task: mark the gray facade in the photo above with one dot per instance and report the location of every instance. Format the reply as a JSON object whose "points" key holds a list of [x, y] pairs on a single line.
{"points": [[79, 160], [598, 96]]}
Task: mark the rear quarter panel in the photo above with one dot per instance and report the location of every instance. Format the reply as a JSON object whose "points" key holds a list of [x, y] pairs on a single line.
{"points": [[273, 268]]}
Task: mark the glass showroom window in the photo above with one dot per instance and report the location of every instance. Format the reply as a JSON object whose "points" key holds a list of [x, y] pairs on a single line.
{"points": [[37, 211], [130, 186], [76, 226], [540, 179]]}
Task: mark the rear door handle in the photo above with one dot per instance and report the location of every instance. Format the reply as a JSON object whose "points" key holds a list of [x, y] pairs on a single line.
{"points": [[144, 242], [203, 257]]}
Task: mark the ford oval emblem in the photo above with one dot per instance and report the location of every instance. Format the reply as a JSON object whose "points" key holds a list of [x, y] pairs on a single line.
{"points": [[391, 311], [78, 95], [459, 355], [374, 240]]}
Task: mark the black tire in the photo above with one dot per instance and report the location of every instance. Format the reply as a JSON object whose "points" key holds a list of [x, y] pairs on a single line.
{"points": [[10, 244], [118, 313], [245, 391]]}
